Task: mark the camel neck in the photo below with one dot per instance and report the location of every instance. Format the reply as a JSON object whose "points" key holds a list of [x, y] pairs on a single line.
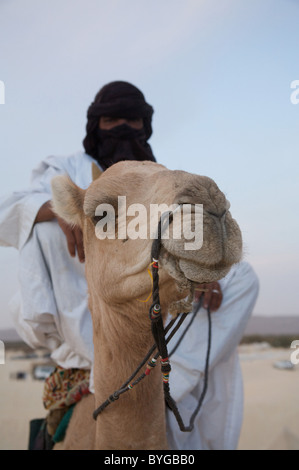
{"points": [[122, 337], [121, 340]]}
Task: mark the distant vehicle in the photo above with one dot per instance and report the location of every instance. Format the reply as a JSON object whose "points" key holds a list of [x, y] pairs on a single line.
{"points": [[284, 365], [42, 371]]}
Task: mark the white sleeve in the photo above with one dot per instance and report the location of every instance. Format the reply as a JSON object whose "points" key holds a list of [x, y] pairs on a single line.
{"points": [[240, 291], [19, 209]]}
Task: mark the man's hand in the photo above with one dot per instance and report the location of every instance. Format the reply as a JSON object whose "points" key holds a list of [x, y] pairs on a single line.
{"points": [[74, 239], [73, 234], [212, 295]]}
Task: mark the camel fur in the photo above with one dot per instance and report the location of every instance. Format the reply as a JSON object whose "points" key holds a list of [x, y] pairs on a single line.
{"points": [[118, 279]]}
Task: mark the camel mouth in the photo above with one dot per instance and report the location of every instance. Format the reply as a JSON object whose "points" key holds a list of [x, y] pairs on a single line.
{"points": [[218, 248], [187, 271], [199, 273]]}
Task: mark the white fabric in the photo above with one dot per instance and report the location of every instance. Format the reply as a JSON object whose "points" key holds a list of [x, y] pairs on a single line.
{"points": [[219, 422], [50, 310]]}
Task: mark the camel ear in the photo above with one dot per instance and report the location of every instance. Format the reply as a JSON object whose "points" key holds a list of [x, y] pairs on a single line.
{"points": [[95, 171], [67, 200]]}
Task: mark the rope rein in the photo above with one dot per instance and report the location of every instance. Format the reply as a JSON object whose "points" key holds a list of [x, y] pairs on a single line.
{"points": [[159, 333]]}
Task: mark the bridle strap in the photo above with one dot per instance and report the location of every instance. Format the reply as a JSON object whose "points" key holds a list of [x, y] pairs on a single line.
{"points": [[130, 381], [159, 334]]}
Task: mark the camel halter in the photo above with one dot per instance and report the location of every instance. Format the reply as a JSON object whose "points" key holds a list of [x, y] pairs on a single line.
{"points": [[159, 334]]}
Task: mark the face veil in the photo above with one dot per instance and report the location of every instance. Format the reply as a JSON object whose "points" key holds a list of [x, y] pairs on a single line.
{"points": [[121, 100]]}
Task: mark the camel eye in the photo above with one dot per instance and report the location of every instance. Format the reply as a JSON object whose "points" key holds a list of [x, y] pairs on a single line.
{"points": [[106, 217], [97, 218]]}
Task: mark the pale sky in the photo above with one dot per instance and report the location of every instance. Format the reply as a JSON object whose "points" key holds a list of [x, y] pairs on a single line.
{"points": [[218, 74]]}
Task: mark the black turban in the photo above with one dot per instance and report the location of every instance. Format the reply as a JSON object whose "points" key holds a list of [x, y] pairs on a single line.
{"points": [[122, 100]]}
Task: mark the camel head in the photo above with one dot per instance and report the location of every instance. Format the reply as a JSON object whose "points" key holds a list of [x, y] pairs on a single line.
{"points": [[117, 267]]}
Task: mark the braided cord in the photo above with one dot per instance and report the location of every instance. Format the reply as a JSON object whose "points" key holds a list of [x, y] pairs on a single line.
{"points": [[159, 334]]}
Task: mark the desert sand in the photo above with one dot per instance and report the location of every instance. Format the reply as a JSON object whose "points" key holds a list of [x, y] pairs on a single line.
{"points": [[271, 411], [271, 399]]}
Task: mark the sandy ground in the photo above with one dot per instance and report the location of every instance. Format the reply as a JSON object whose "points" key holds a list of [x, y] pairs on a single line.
{"points": [[21, 401], [271, 414]]}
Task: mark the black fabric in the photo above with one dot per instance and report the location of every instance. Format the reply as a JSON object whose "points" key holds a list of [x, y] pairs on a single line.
{"points": [[39, 439], [123, 100], [122, 143]]}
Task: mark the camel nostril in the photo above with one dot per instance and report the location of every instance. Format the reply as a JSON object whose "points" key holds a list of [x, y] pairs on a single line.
{"points": [[217, 214]]}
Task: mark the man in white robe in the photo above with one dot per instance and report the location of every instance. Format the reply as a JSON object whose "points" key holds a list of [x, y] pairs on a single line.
{"points": [[50, 309]]}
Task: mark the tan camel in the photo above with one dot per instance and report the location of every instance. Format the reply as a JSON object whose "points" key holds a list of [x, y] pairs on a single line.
{"points": [[118, 279]]}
